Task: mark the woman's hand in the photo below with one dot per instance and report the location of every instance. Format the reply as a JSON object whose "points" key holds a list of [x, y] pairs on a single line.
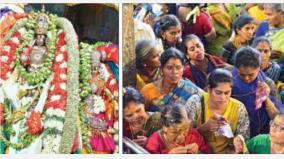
{"points": [[141, 140], [263, 86], [178, 150], [210, 125], [192, 148], [238, 144], [188, 149]]}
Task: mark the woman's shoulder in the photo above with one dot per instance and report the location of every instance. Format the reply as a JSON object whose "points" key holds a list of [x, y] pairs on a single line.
{"points": [[193, 131], [275, 65], [262, 139], [202, 17], [236, 101], [191, 87], [240, 106], [149, 87], [228, 45]]}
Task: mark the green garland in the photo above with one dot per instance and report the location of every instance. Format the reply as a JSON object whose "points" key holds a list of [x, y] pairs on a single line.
{"points": [[42, 74], [84, 129], [25, 138], [85, 69], [73, 98]]}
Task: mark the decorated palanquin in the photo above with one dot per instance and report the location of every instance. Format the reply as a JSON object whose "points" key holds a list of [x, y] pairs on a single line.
{"points": [[56, 96]]}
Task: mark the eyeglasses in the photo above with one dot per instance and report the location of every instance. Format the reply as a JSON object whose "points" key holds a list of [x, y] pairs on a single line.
{"points": [[276, 126]]}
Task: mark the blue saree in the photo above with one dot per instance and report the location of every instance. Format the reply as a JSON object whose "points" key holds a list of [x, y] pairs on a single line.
{"points": [[246, 93]]}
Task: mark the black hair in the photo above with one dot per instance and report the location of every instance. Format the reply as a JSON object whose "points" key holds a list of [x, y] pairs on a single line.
{"points": [[190, 37], [132, 95], [171, 114], [172, 53], [241, 21], [142, 50], [247, 57], [166, 22], [260, 39], [219, 75]]}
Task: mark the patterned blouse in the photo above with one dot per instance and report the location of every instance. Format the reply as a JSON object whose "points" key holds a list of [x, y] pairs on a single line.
{"points": [[235, 114]]}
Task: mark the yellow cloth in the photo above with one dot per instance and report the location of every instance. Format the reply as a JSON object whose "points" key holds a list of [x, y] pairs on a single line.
{"points": [[220, 144], [152, 94], [140, 83], [222, 18], [257, 13]]}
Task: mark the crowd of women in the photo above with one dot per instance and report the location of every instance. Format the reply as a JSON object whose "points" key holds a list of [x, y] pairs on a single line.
{"points": [[209, 79]]}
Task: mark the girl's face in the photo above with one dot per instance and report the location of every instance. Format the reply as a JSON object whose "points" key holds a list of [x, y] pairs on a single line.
{"points": [[220, 95], [172, 35], [247, 31], [195, 50]]}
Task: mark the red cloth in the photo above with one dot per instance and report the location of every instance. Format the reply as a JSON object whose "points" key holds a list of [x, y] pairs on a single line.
{"points": [[156, 145], [200, 28], [216, 62], [126, 130]]}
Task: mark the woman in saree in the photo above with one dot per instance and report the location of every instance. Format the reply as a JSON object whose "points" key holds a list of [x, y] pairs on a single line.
{"points": [[272, 143], [253, 88], [147, 62], [273, 28], [176, 136], [138, 125], [171, 87], [243, 31], [199, 63], [269, 67], [215, 113]]}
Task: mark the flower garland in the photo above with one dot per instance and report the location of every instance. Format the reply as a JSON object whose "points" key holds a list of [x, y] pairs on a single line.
{"points": [[56, 103], [7, 65], [25, 138], [7, 55], [8, 21], [73, 98]]}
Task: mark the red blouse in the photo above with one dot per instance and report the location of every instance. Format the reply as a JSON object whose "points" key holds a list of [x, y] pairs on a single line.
{"points": [[200, 28], [156, 145]]}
